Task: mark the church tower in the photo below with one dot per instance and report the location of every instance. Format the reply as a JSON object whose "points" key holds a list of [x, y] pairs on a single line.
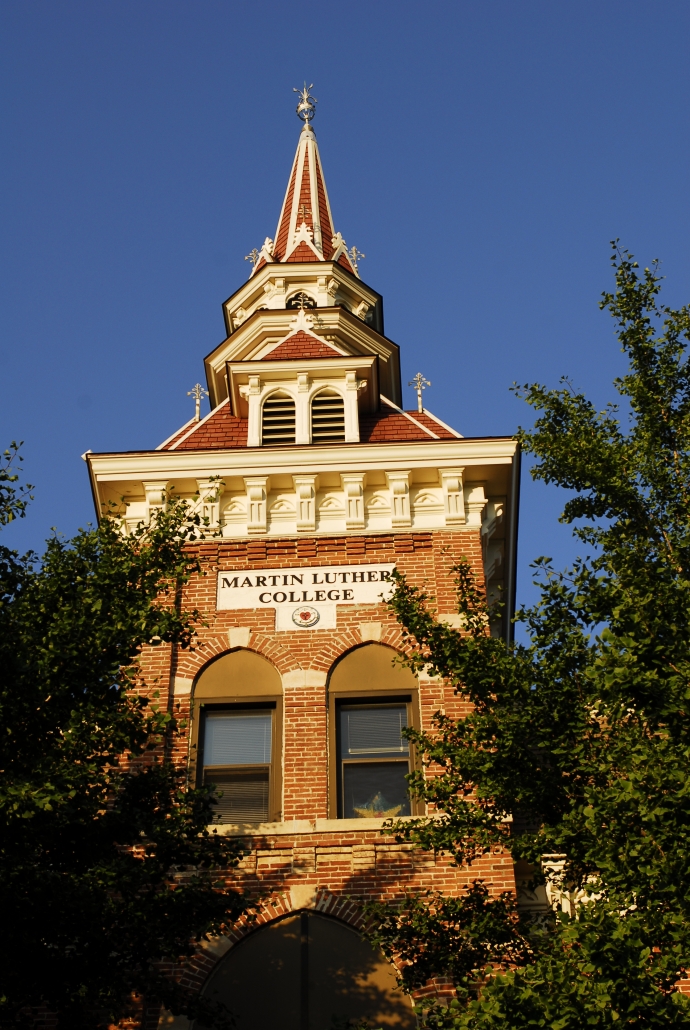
{"points": [[316, 484]]}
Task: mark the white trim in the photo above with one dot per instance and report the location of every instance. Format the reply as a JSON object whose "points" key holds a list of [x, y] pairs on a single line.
{"points": [[287, 191], [292, 226], [407, 415], [315, 216], [445, 425], [197, 424], [173, 435]]}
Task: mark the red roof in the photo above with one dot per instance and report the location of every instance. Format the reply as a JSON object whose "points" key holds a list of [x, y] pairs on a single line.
{"points": [[431, 423], [306, 201], [390, 426], [301, 345], [302, 252], [284, 224], [222, 431]]}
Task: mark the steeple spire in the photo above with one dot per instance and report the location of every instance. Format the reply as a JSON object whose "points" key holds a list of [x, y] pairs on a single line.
{"points": [[305, 228]]}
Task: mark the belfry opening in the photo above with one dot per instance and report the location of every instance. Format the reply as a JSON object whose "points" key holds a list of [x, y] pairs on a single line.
{"points": [[316, 484]]}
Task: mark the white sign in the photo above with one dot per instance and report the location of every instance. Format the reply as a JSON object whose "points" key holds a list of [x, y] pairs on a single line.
{"points": [[305, 598]]}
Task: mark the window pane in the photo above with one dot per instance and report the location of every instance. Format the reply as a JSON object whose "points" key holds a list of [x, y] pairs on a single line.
{"points": [[242, 796], [375, 790], [237, 738], [373, 730]]}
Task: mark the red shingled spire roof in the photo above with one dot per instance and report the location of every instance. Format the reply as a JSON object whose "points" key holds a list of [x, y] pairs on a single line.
{"points": [[305, 228]]}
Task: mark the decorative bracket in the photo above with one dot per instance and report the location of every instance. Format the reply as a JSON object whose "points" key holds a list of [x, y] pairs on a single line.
{"points": [[353, 485], [210, 493], [475, 503], [156, 497], [399, 486], [257, 489], [305, 488], [453, 498]]}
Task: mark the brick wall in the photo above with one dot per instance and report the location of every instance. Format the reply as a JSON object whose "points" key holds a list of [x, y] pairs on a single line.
{"points": [[345, 864]]}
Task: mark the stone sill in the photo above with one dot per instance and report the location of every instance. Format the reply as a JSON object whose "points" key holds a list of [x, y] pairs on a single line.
{"points": [[302, 826]]}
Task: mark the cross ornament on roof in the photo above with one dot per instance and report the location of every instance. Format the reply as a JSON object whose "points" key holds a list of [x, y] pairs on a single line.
{"points": [[253, 256], [197, 392], [355, 256], [419, 383], [304, 211]]}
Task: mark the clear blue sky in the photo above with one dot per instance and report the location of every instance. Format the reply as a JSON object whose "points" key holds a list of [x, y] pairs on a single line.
{"points": [[482, 155]]}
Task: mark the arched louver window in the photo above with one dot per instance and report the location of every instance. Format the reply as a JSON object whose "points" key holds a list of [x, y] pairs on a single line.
{"points": [[278, 420], [327, 418]]}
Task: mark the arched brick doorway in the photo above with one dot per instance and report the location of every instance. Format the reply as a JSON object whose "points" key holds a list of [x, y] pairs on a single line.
{"points": [[308, 972]]}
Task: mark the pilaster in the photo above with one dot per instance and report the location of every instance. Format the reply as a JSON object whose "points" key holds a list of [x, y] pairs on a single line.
{"points": [[351, 411]]}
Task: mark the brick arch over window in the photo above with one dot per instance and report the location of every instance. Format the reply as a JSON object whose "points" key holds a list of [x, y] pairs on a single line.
{"points": [[313, 960], [338, 646], [190, 664]]}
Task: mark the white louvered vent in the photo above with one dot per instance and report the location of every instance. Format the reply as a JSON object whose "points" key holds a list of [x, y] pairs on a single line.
{"points": [[278, 420], [327, 418]]}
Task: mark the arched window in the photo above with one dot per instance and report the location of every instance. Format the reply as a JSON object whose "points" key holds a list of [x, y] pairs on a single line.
{"points": [[278, 419], [371, 700], [327, 417], [237, 733], [316, 970]]}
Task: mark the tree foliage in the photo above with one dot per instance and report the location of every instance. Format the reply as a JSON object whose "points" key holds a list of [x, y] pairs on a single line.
{"points": [[107, 866], [578, 743]]}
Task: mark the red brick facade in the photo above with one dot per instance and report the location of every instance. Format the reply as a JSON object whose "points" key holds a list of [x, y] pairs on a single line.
{"points": [[337, 868]]}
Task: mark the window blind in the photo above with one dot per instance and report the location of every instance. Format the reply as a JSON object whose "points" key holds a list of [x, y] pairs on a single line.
{"points": [[242, 796], [370, 730], [237, 738]]}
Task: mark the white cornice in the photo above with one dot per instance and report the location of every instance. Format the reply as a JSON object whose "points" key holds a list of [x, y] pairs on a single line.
{"points": [[310, 460]]}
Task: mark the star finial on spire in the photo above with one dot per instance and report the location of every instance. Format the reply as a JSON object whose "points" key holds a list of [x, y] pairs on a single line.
{"points": [[306, 108], [419, 383]]}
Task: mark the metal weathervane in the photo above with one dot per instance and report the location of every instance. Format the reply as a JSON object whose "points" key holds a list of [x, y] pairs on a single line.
{"points": [[197, 392], [419, 383], [306, 108]]}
